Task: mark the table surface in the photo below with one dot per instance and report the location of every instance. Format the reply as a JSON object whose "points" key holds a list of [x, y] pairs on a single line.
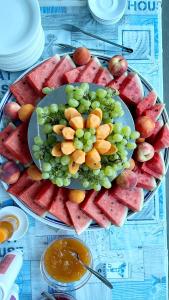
{"points": [[133, 257]]}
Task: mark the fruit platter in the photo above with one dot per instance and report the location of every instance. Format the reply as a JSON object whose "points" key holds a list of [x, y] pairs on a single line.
{"points": [[84, 141]]}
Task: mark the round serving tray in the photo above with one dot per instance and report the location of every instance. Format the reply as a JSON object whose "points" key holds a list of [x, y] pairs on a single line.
{"points": [[49, 219]]}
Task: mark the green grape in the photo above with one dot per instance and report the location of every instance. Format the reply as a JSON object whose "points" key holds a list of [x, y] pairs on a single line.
{"points": [[92, 95], [65, 160], [75, 176], [95, 104], [62, 107], [46, 167], [45, 175], [87, 148], [117, 137], [117, 127], [131, 146], [79, 133], [69, 88], [105, 115], [134, 135], [66, 181], [46, 110], [96, 172], [36, 155], [108, 120], [101, 93], [85, 184], [47, 90], [97, 187], [124, 142], [38, 141], [63, 122], [106, 183], [84, 86], [51, 140], [35, 148], [78, 144], [87, 135], [73, 103], [110, 102], [126, 131], [81, 108], [109, 91], [92, 130], [53, 108], [126, 165], [59, 181], [85, 168], [78, 94], [39, 111], [109, 171], [41, 120], [47, 128]]}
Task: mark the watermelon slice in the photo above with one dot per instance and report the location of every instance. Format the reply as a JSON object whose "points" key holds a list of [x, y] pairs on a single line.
{"points": [[17, 144], [23, 182], [79, 219], [145, 180], [146, 103], [38, 76], [46, 194], [154, 112], [158, 126], [4, 134], [23, 92], [162, 139], [58, 207], [132, 198], [71, 76], [117, 82], [90, 71], [56, 78], [103, 77], [131, 89], [28, 195], [113, 209], [155, 166], [94, 212]]}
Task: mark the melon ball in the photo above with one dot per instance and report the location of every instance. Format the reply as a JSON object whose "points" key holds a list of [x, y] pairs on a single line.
{"points": [[25, 112]]}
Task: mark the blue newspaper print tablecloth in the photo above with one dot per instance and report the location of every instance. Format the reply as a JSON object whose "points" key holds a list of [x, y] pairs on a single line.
{"points": [[133, 257]]}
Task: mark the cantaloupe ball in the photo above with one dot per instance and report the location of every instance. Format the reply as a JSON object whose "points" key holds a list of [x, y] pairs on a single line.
{"points": [[81, 56], [76, 196], [34, 173], [25, 112]]}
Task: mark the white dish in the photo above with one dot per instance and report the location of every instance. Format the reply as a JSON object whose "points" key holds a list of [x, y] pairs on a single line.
{"points": [[19, 24]]}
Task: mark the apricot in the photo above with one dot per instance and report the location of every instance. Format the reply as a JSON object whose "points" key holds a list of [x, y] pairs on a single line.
{"points": [[71, 113], [77, 196], [93, 159], [11, 110], [58, 129], [81, 56], [102, 132], [68, 133], [25, 112], [102, 146], [78, 156], [34, 173], [56, 150], [145, 125], [9, 172], [73, 167], [77, 122], [67, 147], [112, 150], [93, 121], [97, 112]]}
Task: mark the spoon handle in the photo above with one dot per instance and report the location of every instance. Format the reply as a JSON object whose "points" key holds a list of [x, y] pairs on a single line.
{"points": [[99, 276]]}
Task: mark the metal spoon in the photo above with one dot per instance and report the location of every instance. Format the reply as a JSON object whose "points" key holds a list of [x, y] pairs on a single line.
{"points": [[95, 273]]}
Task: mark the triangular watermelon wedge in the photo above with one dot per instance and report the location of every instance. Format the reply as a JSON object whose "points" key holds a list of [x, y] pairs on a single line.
{"points": [[158, 126], [155, 166], [132, 198], [23, 182], [46, 195], [146, 103], [4, 134], [90, 71], [79, 219], [103, 77], [145, 180], [162, 139], [131, 89], [155, 111], [71, 76], [58, 207], [112, 208], [93, 211], [117, 82], [23, 92]]}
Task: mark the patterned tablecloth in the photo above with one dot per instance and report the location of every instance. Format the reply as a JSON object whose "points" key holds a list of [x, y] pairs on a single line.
{"points": [[133, 257]]}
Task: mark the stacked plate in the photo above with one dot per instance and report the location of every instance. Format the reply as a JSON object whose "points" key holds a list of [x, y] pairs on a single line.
{"points": [[22, 36], [107, 12]]}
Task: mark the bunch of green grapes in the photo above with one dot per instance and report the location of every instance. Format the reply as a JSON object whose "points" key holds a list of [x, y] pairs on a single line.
{"points": [[84, 139]]}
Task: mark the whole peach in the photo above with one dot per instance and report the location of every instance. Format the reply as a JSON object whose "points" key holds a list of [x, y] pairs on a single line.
{"points": [[127, 179], [117, 65], [11, 110], [9, 172], [145, 125], [144, 152]]}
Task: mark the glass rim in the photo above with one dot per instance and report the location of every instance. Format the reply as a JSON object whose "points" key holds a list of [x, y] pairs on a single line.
{"points": [[67, 286]]}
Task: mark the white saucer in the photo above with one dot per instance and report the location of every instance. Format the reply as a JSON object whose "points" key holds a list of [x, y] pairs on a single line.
{"points": [[23, 220]]}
